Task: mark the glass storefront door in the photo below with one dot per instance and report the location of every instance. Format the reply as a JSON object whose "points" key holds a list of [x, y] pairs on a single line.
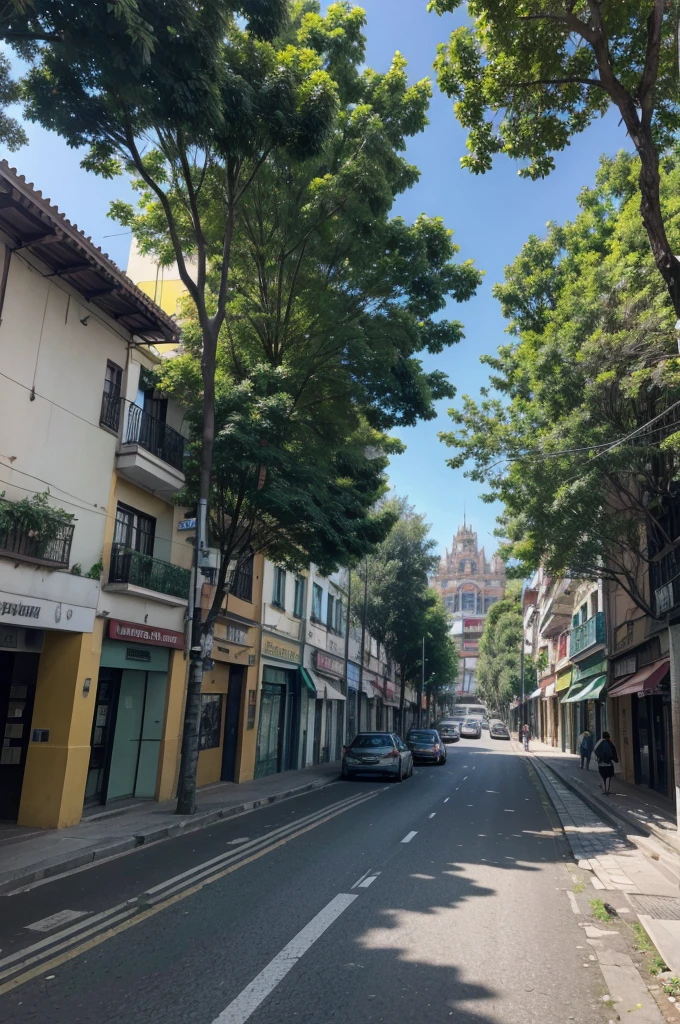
{"points": [[270, 733]]}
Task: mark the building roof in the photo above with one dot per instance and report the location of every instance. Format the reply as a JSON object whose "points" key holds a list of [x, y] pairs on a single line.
{"points": [[33, 223]]}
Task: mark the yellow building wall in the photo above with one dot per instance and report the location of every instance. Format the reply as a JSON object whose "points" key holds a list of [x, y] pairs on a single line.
{"points": [[165, 294], [56, 772], [171, 741], [210, 761]]}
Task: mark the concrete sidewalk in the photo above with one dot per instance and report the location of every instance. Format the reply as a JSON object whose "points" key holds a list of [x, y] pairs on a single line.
{"points": [[28, 855]]}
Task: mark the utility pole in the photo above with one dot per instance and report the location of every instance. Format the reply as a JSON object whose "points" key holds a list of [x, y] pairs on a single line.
{"points": [[521, 675], [422, 685], [363, 646], [347, 621]]}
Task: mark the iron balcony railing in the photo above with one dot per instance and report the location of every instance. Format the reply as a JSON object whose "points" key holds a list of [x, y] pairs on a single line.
{"points": [[664, 581], [109, 415], [588, 634], [140, 570], [156, 436], [52, 546]]}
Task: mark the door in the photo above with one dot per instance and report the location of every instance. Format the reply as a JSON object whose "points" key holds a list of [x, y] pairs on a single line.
{"points": [[18, 674], [270, 729], [641, 736], [127, 734], [101, 741], [151, 734], [234, 694], [318, 711], [660, 751]]}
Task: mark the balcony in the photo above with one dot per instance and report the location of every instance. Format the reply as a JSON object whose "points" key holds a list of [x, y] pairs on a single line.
{"points": [[589, 634], [151, 453], [664, 581], [52, 548], [109, 415], [137, 573]]}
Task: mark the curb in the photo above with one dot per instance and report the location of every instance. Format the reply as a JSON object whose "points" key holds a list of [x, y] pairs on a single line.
{"points": [[145, 837]]}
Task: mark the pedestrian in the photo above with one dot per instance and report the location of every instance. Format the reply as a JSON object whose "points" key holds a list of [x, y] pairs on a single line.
{"points": [[525, 733], [585, 749], [606, 755]]}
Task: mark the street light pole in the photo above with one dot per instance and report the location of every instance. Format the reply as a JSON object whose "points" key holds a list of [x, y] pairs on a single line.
{"points": [[521, 675], [363, 646], [422, 685]]}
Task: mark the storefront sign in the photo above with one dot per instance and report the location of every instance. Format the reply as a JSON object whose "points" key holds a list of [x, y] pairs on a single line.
{"points": [[326, 663], [17, 610], [353, 674], [275, 648], [146, 634], [473, 624]]}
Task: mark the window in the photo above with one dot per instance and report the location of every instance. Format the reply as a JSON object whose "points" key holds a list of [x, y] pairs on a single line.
{"points": [[133, 530], [468, 602], [236, 635], [584, 612], [211, 721], [299, 602], [339, 622], [279, 597], [317, 601], [594, 603], [109, 415], [330, 614], [242, 585]]}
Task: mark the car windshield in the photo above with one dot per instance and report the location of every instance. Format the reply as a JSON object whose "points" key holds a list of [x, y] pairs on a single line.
{"points": [[426, 735], [372, 740]]}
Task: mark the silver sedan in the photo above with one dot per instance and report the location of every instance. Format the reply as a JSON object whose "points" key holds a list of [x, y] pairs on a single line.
{"points": [[377, 753]]}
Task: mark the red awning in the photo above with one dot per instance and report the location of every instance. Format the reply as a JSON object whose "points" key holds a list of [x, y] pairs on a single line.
{"points": [[648, 678]]}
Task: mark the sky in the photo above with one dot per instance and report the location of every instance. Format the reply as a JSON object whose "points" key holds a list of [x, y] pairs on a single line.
{"points": [[491, 215]]}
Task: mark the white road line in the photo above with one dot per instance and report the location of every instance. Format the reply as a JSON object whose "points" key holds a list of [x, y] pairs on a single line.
{"points": [[447, 800], [433, 814], [237, 842], [464, 778], [409, 837], [245, 1004], [368, 881], [574, 904], [360, 880]]}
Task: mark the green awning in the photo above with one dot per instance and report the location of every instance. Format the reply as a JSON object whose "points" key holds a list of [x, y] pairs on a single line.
{"points": [[593, 689], [307, 680], [572, 694]]}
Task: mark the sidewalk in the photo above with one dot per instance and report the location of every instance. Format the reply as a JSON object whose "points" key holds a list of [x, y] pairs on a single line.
{"points": [[27, 855], [637, 806]]}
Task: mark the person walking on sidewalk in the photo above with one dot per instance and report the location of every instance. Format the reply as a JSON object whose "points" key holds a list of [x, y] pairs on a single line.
{"points": [[606, 755], [585, 749], [525, 734]]}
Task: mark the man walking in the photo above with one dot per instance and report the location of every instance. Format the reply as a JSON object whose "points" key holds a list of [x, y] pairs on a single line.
{"points": [[585, 749], [525, 734], [606, 755]]}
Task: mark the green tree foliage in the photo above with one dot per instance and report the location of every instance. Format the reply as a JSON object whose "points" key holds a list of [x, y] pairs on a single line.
{"points": [[499, 672], [528, 75], [580, 441], [441, 654], [401, 609]]}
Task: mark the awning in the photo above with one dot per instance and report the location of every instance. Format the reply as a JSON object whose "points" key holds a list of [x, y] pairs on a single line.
{"points": [[648, 678], [537, 693], [563, 681], [593, 689], [549, 691], [321, 687], [332, 693], [308, 681], [573, 693]]}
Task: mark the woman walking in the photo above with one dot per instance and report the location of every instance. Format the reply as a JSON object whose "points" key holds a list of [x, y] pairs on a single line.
{"points": [[585, 749], [606, 755]]}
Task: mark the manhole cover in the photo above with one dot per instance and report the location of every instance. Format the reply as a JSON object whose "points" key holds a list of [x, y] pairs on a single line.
{"points": [[663, 908]]}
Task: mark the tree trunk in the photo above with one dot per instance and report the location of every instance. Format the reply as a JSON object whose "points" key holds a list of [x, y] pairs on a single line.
{"points": [[402, 696], [186, 786], [652, 217]]}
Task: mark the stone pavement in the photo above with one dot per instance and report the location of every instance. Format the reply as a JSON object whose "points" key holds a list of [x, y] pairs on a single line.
{"points": [[28, 855]]}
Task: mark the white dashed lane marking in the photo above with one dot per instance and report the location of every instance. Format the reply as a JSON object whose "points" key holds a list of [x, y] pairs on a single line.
{"points": [[433, 814], [409, 837], [447, 800], [56, 920]]}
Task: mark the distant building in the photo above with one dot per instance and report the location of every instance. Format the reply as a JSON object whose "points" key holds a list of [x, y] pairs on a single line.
{"points": [[469, 584]]}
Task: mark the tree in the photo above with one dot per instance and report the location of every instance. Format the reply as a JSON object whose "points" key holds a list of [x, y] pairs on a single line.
{"points": [[530, 74], [499, 670], [440, 654], [401, 609], [580, 443]]}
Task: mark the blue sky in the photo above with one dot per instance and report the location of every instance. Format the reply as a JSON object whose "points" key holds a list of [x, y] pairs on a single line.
{"points": [[491, 215]]}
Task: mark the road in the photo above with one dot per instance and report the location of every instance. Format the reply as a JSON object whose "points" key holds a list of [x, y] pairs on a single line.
{"points": [[440, 899]]}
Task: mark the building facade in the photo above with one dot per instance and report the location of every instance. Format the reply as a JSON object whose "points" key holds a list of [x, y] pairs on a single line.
{"points": [[469, 584]]}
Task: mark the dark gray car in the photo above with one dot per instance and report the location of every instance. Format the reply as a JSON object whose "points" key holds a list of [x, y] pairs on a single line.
{"points": [[377, 753]]}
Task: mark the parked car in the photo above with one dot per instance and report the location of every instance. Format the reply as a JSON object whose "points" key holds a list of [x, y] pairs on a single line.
{"points": [[449, 730], [499, 731], [426, 745], [471, 729], [377, 753]]}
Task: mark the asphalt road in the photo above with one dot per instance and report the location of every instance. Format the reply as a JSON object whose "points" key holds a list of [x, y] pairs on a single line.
{"points": [[440, 899]]}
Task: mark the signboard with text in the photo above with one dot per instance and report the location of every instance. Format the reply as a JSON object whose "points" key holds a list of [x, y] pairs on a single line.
{"points": [[37, 613], [328, 664], [140, 634]]}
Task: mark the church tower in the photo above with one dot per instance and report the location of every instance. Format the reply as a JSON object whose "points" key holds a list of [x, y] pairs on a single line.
{"points": [[469, 584]]}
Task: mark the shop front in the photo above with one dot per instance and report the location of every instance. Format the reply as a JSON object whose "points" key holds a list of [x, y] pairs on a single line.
{"points": [[640, 700], [48, 654], [562, 684], [282, 731], [327, 674], [136, 670], [586, 699]]}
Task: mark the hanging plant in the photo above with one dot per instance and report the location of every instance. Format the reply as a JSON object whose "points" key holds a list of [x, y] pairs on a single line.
{"points": [[34, 517]]}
